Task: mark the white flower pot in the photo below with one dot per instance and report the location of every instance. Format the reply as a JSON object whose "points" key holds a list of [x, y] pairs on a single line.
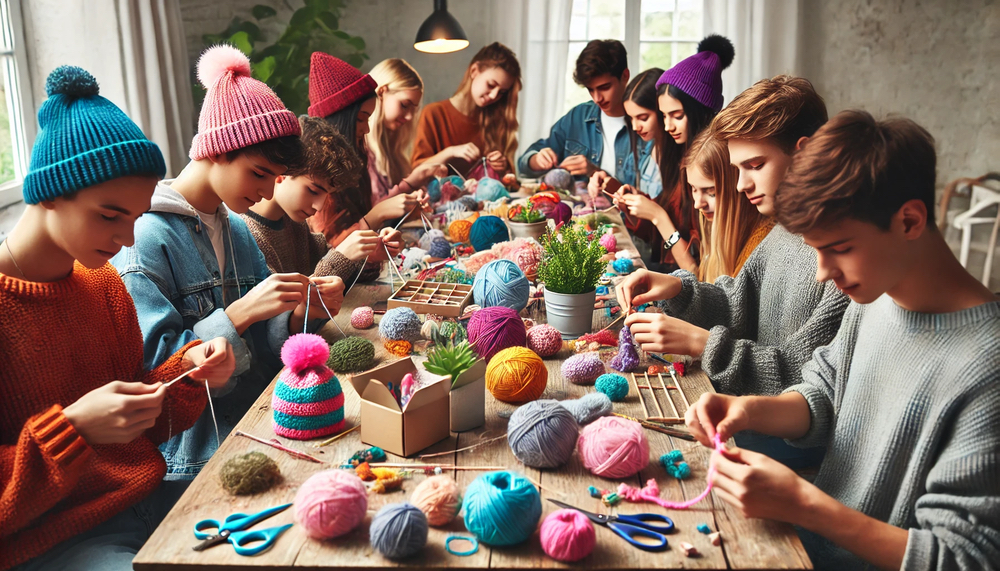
{"points": [[525, 230], [571, 313]]}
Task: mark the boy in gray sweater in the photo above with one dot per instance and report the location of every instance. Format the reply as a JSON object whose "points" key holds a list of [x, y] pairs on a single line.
{"points": [[906, 397]]}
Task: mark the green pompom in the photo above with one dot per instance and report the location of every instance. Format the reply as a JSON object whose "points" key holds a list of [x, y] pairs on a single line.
{"points": [[249, 474], [351, 354]]}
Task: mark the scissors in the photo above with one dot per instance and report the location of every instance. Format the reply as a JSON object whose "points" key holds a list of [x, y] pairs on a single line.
{"points": [[630, 527], [231, 530]]}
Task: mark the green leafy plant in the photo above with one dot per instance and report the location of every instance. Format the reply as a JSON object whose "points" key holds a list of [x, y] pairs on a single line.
{"points": [[284, 64], [525, 215], [572, 262], [450, 359]]}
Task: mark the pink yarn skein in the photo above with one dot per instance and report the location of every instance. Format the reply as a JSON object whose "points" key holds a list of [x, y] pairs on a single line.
{"points": [[609, 242], [362, 317], [544, 340], [567, 535], [613, 447], [330, 504]]}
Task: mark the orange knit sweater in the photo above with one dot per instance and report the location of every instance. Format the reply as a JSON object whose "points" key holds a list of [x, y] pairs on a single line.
{"points": [[756, 237], [442, 126], [59, 341]]}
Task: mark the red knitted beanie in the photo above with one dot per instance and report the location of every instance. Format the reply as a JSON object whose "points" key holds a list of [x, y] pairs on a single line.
{"points": [[335, 84]]}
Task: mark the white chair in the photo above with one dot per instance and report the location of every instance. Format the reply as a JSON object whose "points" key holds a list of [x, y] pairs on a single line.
{"points": [[982, 199]]}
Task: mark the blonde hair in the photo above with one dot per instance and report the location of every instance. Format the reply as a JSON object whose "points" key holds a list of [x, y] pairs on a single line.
{"points": [[735, 218], [498, 122], [392, 148]]}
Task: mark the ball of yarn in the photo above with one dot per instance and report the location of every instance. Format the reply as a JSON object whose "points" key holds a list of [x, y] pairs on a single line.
{"points": [[589, 407], [567, 535], [490, 189], [351, 354], [400, 324], [559, 178], [469, 202], [615, 386], [542, 434], [486, 231], [528, 259], [439, 499], [477, 261], [502, 508], [330, 504], [516, 375], [614, 447], [582, 369], [501, 282], [459, 230], [544, 340], [434, 190], [412, 258], [609, 242], [303, 351], [623, 265], [398, 348], [250, 473], [561, 213], [425, 241], [429, 329], [440, 248], [362, 317], [494, 329], [399, 530]]}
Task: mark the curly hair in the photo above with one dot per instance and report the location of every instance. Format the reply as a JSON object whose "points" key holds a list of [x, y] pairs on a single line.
{"points": [[329, 157]]}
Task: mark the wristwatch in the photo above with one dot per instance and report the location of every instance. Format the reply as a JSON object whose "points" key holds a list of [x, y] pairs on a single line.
{"points": [[672, 240]]}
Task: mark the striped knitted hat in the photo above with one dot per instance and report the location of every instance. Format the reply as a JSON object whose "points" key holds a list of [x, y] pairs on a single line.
{"points": [[335, 84], [308, 402], [239, 110]]}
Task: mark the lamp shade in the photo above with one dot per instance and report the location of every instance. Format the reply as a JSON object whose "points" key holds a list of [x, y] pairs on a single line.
{"points": [[440, 33]]}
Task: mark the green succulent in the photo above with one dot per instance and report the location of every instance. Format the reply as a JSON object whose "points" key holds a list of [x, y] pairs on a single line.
{"points": [[450, 359]]}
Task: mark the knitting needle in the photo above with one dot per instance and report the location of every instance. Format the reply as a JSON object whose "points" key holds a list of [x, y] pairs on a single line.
{"points": [[608, 326], [666, 419], [456, 171], [272, 444], [168, 383], [678, 433], [333, 439], [476, 445], [442, 466]]}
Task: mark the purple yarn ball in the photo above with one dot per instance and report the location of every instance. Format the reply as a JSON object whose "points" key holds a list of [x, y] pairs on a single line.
{"points": [[493, 329], [582, 369], [561, 213]]}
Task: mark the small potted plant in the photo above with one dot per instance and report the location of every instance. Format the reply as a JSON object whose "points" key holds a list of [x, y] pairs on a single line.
{"points": [[526, 222], [468, 383], [571, 266]]}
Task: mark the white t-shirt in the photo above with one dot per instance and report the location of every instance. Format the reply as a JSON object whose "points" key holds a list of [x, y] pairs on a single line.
{"points": [[610, 127], [213, 225]]}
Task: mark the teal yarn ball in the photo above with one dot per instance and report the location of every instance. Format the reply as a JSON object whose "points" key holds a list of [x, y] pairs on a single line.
{"points": [[487, 231], [490, 189], [434, 190], [400, 324], [502, 508], [542, 434], [399, 531], [623, 265], [502, 283], [615, 386]]}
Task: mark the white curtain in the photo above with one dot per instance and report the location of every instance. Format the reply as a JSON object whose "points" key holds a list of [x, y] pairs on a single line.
{"points": [[538, 32], [765, 34]]}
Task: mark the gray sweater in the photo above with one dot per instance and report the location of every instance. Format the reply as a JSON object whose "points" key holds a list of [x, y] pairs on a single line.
{"points": [[765, 323], [908, 405]]}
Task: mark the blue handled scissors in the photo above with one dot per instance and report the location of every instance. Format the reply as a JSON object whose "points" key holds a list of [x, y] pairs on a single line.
{"points": [[231, 529], [631, 527]]}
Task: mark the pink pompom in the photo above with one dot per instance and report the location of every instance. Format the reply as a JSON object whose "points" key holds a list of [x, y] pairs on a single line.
{"points": [[216, 61], [331, 503], [477, 261], [304, 350], [362, 317], [613, 447], [567, 535], [544, 340], [609, 242]]}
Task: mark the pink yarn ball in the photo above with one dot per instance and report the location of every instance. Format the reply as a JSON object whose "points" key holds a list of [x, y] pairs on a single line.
{"points": [[567, 535], [609, 242], [544, 340], [303, 351], [362, 317], [613, 447], [330, 504], [477, 261]]}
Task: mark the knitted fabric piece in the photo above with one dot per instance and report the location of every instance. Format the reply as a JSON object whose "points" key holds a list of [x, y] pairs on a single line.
{"points": [[318, 393], [296, 434], [294, 416], [335, 84], [318, 422], [627, 358], [317, 408]]}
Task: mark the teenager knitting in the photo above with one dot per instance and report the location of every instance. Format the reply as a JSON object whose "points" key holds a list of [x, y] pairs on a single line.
{"points": [[81, 416], [389, 140], [479, 120], [905, 398], [195, 270]]}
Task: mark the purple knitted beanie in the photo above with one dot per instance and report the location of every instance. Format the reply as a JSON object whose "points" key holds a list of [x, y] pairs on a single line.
{"points": [[700, 75]]}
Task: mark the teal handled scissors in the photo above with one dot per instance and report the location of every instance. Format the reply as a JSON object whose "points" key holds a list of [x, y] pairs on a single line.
{"points": [[632, 527], [231, 529]]}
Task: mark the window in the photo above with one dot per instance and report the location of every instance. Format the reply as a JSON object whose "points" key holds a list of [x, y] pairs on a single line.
{"points": [[656, 33], [17, 121]]}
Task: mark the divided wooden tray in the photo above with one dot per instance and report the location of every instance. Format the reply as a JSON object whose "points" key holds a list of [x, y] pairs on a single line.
{"points": [[444, 299]]}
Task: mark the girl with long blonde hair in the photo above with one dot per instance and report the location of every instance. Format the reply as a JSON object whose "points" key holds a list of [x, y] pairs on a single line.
{"points": [[479, 120]]}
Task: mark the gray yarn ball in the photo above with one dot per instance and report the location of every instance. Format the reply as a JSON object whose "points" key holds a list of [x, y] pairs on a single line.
{"points": [[542, 434], [399, 530], [425, 241], [589, 407], [400, 324]]}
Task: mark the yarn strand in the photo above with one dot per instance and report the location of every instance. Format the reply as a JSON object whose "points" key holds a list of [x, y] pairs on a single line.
{"points": [[651, 493], [325, 308], [211, 408]]}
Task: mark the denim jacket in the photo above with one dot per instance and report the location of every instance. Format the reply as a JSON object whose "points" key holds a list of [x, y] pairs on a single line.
{"points": [[579, 133], [172, 274]]}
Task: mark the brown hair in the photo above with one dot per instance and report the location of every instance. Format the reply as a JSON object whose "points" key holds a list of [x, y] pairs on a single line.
{"points": [[735, 218], [600, 57], [329, 157], [498, 121], [860, 168], [783, 109]]}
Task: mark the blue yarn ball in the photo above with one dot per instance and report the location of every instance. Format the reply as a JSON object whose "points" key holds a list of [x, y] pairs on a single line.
{"points": [[502, 508], [425, 240], [501, 282], [487, 231], [542, 434], [615, 386], [559, 178], [490, 189], [440, 248], [400, 324], [623, 265], [399, 530]]}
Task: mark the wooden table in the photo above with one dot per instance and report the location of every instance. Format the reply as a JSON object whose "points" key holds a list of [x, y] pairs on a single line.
{"points": [[747, 544]]}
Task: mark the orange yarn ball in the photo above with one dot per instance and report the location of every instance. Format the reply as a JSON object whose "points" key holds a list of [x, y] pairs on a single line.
{"points": [[516, 375], [459, 230], [398, 348]]}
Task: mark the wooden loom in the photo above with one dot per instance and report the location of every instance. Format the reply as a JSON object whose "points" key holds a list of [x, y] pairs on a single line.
{"points": [[648, 379]]}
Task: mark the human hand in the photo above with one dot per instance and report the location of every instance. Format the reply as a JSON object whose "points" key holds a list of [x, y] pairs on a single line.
{"points": [[425, 172], [116, 413], [497, 161], [714, 413], [393, 240], [468, 152], [215, 362], [329, 291], [358, 245], [760, 487], [596, 184], [578, 165], [659, 333], [543, 160], [638, 205], [643, 286], [275, 295]]}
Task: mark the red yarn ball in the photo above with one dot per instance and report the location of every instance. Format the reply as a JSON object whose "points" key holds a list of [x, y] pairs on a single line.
{"points": [[494, 329], [303, 351]]}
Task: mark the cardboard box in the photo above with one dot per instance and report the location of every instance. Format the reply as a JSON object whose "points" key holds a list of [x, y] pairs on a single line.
{"points": [[424, 421], [468, 398]]}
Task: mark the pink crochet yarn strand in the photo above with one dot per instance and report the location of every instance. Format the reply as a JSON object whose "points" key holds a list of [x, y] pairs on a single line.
{"points": [[651, 493]]}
